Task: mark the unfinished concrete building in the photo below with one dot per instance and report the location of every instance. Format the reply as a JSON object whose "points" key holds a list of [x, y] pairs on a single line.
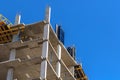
{"points": [[34, 52]]}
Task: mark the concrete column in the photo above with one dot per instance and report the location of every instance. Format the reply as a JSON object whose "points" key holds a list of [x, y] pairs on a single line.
{"points": [[17, 19], [43, 69], [58, 65], [10, 70], [44, 56], [12, 54], [48, 13], [13, 51], [10, 74]]}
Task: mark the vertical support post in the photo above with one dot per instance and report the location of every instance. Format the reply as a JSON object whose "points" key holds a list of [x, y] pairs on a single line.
{"points": [[12, 54], [17, 19], [48, 13], [10, 70], [58, 65], [13, 51], [44, 62], [43, 69], [10, 74]]}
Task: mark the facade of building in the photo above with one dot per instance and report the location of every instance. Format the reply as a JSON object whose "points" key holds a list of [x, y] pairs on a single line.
{"points": [[34, 52]]}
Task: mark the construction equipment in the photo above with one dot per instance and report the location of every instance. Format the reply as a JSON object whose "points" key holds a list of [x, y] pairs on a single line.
{"points": [[5, 20], [7, 30], [79, 73]]}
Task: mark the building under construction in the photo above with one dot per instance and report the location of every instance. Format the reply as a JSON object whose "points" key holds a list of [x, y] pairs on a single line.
{"points": [[36, 52]]}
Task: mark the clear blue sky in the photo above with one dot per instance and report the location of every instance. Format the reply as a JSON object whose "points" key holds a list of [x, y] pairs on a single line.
{"points": [[93, 26]]}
